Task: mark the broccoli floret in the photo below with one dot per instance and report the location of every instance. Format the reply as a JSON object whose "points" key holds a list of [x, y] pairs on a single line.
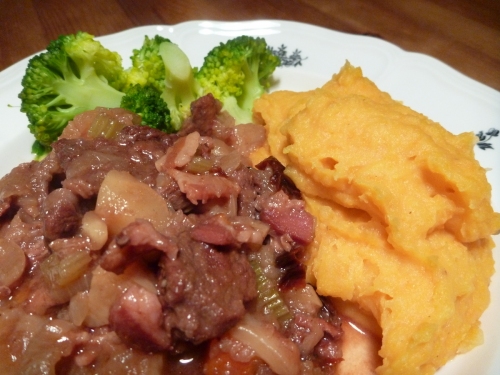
{"points": [[147, 102], [148, 67], [162, 64], [75, 74], [237, 72], [181, 88]]}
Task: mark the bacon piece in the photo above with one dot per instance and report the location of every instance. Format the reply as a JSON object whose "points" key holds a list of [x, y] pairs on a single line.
{"points": [[217, 230], [288, 216], [203, 187], [223, 230], [203, 291]]}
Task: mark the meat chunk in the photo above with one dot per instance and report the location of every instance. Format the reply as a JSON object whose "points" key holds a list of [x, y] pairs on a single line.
{"points": [[204, 290], [61, 214], [204, 113], [167, 187]]}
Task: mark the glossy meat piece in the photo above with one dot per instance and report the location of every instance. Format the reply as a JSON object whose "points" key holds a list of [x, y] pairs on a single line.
{"points": [[204, 290]]}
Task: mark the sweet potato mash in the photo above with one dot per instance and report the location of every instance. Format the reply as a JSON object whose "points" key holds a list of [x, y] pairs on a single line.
{"points": [[404, 214]]}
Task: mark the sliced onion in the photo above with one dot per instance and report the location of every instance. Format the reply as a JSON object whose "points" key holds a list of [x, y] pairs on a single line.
{"points": [[249, 137], [78, 308], [220, 147], [230, 162], [281, 355], [105, 126]]}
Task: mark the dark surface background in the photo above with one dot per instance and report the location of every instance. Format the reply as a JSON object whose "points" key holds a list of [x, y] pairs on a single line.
{"points": [[462, 33]]}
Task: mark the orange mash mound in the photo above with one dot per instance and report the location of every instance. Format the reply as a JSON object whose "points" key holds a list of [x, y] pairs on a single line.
{"points": [[404, 219]]}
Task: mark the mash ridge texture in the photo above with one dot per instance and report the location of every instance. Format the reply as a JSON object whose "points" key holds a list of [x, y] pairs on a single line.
{"points": [[403, 211]]}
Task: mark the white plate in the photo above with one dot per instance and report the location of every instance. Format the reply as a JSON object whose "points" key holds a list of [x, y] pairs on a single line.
{"points": [[425, 84]]}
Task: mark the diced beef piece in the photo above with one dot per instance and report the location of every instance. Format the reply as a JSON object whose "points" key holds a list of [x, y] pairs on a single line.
{"points": [[248, 181], [257, 185], [86, 170], [61, 214], [319, 336], [204, 113], [204, 290], [216, 230]]}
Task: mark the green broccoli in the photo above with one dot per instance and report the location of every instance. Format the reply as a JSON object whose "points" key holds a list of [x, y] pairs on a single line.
{"points": [[148, 67], [163, 65], [147, 102], [75, 74], [237, 72], [181, 88]]}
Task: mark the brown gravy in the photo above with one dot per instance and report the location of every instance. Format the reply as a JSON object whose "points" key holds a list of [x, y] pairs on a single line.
{"points": [[361, 341]]}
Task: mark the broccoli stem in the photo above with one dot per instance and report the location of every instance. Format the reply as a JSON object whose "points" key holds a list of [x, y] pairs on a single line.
{"points": [[180, 86], [87, 92], [252, 87]]}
